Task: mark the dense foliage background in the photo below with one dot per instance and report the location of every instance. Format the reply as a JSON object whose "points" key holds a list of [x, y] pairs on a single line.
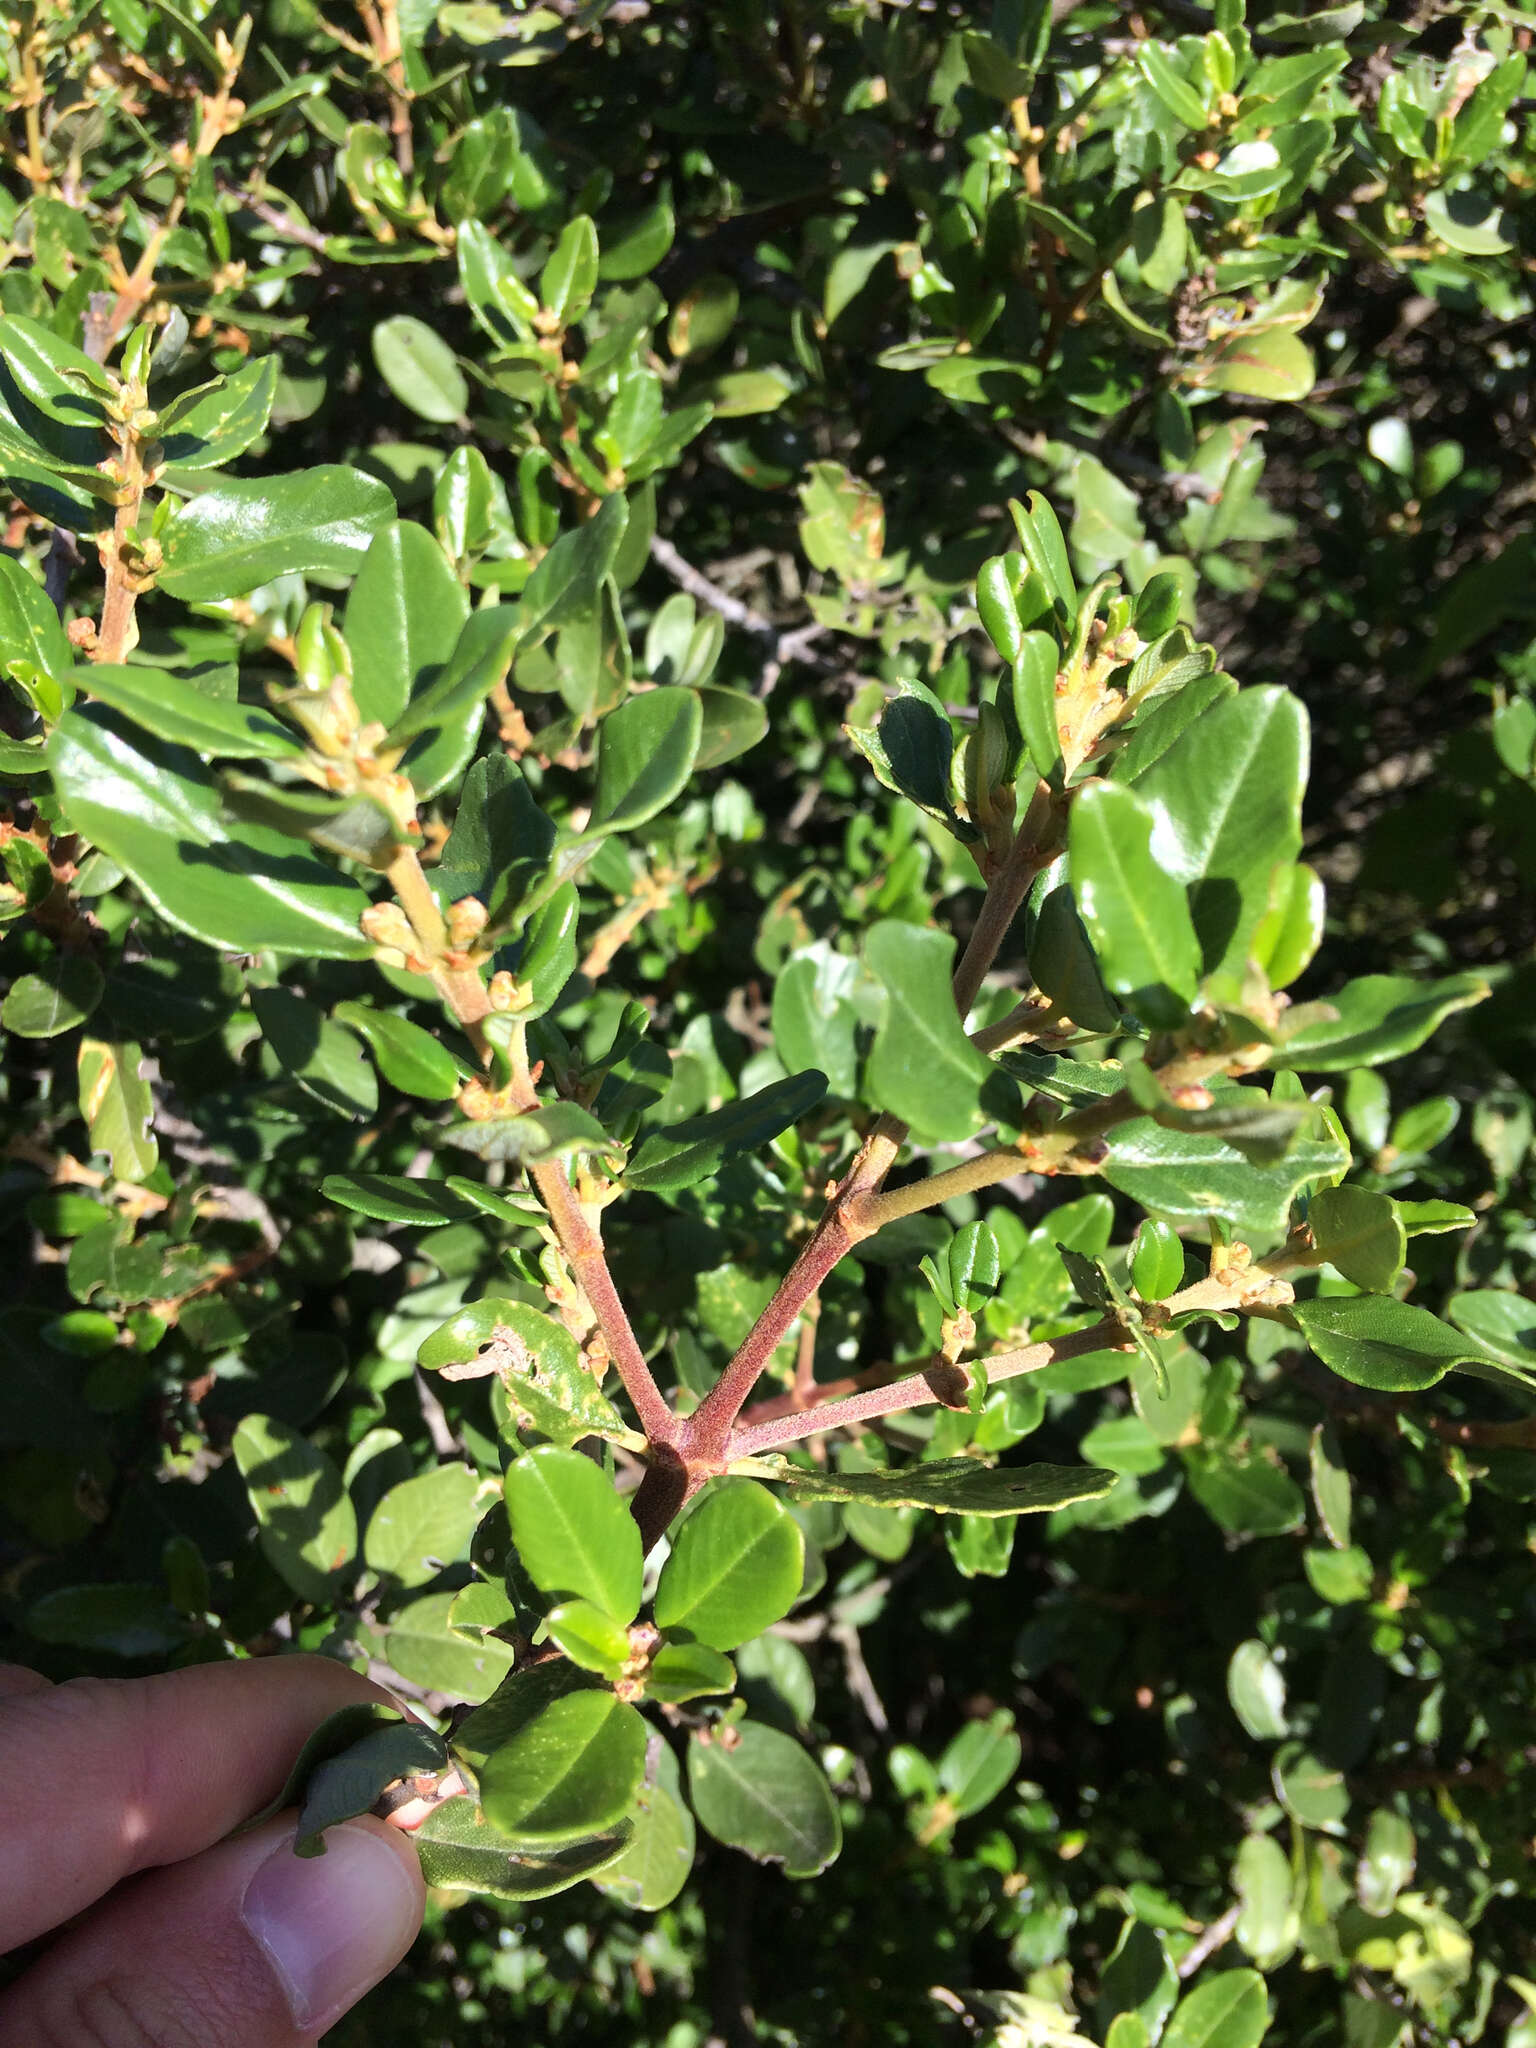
{"points": [[1248, 299]]}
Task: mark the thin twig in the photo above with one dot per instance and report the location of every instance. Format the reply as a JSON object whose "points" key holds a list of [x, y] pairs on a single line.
{"points": [[783, 648], [1216, 1936]]}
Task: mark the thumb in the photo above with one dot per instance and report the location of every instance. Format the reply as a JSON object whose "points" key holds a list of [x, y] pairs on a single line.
{"points": [[244, 1946]]}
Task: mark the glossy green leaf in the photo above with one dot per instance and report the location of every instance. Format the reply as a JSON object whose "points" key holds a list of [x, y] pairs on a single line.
{"points": [[756, 1790], [62, 994], [403, 619], [30, 632], [548, 1387], [1188, 1177], [1062, 961], [953, 1486], [1291, 929], [922, 1067], [688, 1671], [408, 1057], [1134, 909], [1139, 1978], [304, 1517], [423, 1525], [572, 1771], [567, 584], [735, 1566], [209, 427], [1044, 548], [178, 711], [326, 1061], [1376, 1341], [118, 1618], [589, 1637], [420, 369], [1034, 703], [154, 809], [1228, 796], [1332, 1493], [1379, 1017], [1360, 1233], [645, 754], [575, 1537], [979, 1763], [1157, 1260], [570, 276], [655, 1866], [1229, 2010], [561, 1131], [243, 532], [461, 1851], [681, 1155], [480, 659]]}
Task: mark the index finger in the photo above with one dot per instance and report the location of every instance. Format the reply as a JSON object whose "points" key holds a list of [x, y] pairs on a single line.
{"points": [[109, 1776]]}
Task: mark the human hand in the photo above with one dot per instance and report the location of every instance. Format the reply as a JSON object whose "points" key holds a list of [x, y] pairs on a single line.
{"points": [[218, 1943]]}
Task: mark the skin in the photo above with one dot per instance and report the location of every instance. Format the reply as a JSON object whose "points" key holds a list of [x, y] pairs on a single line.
{"points": [[119, 1846]]}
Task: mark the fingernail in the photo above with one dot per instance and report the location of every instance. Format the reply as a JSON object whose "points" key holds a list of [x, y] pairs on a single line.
{"points": [[332, 1925]]}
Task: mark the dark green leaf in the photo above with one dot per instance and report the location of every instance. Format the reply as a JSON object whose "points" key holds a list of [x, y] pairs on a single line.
{"points": [[462, 1852], [571, 1772], [419, 368], [683, 1154], [1379, 1017], [62, 994], [645, 754], [1188, 1177], [574, 1536], [654, 1867], [1360, 1233], [1134, 909], [243, 532], [326, 1061], [922, 1067], [305, 1519], [954, 1486], [1379, 1342], [408, 1057], [403, 619], [390, 1198], [347, 1784], [175, 710], [756, 1790]]}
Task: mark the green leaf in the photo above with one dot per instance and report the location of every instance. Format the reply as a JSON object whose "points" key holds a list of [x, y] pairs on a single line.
{"points": [[422, 1646], [124, 1620], [154, 809], [326, 1061], [207, 428], [461, 1851], [573, 1534], [1379, 1017], [419, 368], [1157, 1260], [756, 1790], [918, 744], [1376, 1341], [1271, 363], [1332, 1494], [560, 1131], [481, 657], [1034, 703], [30, 633], [735, 1567], [733, 723], [571, 1772], [688, 1671], [1386, 1862], [404, 616], [569, 278], [645, 754], [1291, 929], [1134, 909], [391, 1198], [62, 994], [244, 532], [178, 711], [1062, 961], [922, 1067], [589, 1637], [1187, 1176], [683, 1154], [1360, 1233], [1229, 796], [1044, 548], [1502, 1323], [304, 1517], [814, 1018], [567, 584], [1243, 1492], [547, 1385], [1256, 1688], [1262, 1878], [1171, 86], [1139, 1978], [953, 1486], [979, 1763], [501, 841], [1310, 1790], [117, 1105], [408, 1057], [1228, 2010], [350, 1782], [423, 1525], [654, 1868]]}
